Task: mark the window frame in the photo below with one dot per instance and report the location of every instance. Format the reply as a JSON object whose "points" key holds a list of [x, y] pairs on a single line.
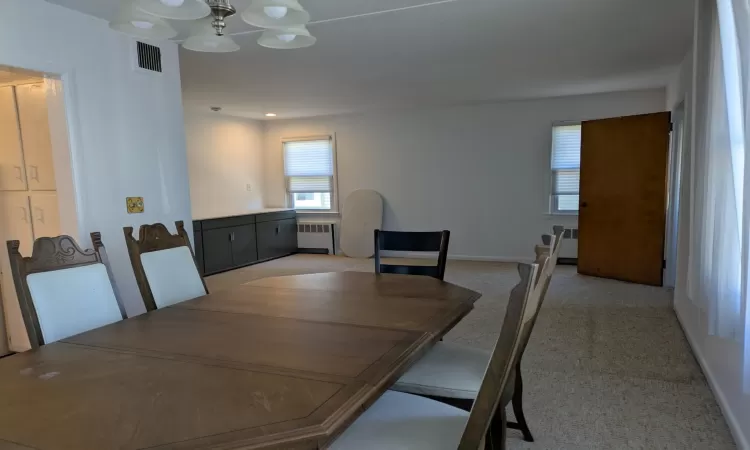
{"points": [[552, 204], [334, 184]]}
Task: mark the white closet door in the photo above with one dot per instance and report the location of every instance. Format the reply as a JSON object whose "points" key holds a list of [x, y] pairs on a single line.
{"points": [[37, 145], [15, 220], [45, 214], [12, 171], [15, 224]]}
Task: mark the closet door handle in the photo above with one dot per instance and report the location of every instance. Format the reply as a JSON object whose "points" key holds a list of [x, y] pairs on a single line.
{"points": [[20, 173], [24, 214], [34, 173]]}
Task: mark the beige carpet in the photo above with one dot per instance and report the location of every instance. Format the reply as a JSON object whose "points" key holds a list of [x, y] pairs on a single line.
{"points": [[607, 366]]}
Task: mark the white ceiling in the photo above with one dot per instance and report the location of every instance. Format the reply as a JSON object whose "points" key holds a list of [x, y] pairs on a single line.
{"points": [[409, 53]]}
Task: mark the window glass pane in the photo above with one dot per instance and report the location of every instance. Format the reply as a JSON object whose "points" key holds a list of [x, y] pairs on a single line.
{"points": [[312, 200], [567, 203]]}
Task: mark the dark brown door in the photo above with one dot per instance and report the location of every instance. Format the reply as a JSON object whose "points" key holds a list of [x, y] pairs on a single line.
{"points": [[622, 213]]}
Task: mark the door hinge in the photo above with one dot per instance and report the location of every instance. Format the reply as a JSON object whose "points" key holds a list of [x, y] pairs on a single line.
{"points": [[671, 127]]}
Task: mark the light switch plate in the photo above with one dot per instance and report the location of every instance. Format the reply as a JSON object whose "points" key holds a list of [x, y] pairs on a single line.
{"points": [[134, 205], [249, 187]]}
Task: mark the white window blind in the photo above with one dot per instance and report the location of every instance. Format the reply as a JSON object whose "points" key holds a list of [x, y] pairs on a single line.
{"points": [[308, 166], [566, 167]]}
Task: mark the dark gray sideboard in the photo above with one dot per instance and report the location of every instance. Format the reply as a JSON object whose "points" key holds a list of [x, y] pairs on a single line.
{"points": [[230, 242]]}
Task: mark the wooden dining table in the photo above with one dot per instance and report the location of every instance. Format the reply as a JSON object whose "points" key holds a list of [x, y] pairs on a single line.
{"points": [[278, 363]]}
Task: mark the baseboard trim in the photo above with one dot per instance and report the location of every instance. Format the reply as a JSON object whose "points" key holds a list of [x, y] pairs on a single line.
{"points": [[721, 399]]}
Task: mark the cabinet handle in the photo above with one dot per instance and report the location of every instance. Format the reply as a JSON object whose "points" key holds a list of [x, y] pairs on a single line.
{"points": [[20, 173], [231, 236], [35, 173], [277, 231], [24, 214]]}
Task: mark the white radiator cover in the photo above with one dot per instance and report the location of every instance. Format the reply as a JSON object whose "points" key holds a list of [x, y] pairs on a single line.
{"points": [[316, 236]]}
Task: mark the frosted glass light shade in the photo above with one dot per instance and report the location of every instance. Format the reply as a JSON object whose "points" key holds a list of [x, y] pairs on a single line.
{"points": [[257, 14], [287, 38], [211, 43], [204, 39], [137, 23], [188, 10]]}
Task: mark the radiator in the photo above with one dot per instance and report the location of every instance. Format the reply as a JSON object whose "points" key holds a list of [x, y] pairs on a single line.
{"points": [[316, 237]]}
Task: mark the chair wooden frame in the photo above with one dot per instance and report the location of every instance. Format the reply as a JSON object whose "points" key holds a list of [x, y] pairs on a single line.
{"points": [[153, 238], [487, 418], [546, 255], [50, 254], [413, 241]]}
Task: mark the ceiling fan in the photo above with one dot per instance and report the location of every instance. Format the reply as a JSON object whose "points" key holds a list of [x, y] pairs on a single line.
{"points": [[284, 22]]}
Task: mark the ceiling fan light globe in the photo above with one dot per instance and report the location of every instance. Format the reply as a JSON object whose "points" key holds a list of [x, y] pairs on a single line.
{"points": [[174, 9], [276, 12]]}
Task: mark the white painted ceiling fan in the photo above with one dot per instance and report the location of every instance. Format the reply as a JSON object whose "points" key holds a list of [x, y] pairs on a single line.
{"points": [[284, 22]]}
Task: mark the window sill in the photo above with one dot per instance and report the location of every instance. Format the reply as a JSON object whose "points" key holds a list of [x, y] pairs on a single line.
{"points": [[312, 211], [561, 214]]}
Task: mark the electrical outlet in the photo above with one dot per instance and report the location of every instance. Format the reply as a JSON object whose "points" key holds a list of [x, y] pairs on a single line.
{"points": [[249, 187]]}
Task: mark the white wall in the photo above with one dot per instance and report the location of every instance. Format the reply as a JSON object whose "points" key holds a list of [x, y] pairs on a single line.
{"points": [[480, 171], [225, 154], [127, 131], [720, 359]]}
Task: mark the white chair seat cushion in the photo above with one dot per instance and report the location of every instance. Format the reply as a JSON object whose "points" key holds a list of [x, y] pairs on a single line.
{"points": [[447, 370], [172, 276], [398, 421], [71, 301]]}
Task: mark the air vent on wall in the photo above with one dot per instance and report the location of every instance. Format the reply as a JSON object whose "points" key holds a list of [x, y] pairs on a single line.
{"points": [[149, 57]]}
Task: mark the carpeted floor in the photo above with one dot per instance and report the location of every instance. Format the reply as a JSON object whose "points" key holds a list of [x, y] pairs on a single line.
{"points": [[607, 366]]}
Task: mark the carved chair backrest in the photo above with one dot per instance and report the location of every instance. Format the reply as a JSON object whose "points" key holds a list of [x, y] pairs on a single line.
{"points": [[62, 289], [164, 265]]}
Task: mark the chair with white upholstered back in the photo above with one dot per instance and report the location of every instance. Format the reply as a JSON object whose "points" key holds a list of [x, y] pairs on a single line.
{"points": [[401, 421], [452, 373], [164, 265], [62, 289]]}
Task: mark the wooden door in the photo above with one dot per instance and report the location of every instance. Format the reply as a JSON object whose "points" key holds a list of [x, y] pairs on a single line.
{"points": [[35, 135], [45, 214], [622, 215], [12, 171]]}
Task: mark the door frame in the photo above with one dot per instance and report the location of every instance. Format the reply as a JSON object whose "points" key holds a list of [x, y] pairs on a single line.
{"points": [[674, 181]]}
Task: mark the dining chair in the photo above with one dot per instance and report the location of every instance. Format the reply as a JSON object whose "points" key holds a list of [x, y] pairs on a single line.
{"points": [[452, 373], [164, 265], [400, 421], [412, 241], [62, 289]]}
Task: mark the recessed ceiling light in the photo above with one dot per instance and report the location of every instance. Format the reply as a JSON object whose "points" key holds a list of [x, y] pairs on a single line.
{"points": [[270, 115]]}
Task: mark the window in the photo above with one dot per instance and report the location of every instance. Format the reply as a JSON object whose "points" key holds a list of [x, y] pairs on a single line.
{"points": [[309, 173], [566, 168]]}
